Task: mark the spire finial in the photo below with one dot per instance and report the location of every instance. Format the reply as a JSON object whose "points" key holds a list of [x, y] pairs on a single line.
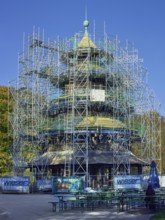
{"points": [[86, 22], [85, 12]]}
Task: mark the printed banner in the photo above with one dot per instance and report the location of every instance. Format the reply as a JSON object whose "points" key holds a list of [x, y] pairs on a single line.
{"points": [[44, 185], [127, 182], [15, 184], [68, 184]]}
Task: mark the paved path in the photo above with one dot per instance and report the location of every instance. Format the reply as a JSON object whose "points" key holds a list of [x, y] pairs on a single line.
{"points": [[36, 207]]}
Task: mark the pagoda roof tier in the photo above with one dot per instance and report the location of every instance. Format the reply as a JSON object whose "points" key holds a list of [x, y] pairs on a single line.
{"points": [[86, 42], [95, 157]]}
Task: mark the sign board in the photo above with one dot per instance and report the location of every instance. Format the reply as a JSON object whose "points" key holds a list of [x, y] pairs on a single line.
{"points": [[97, 95], [44, 185], [127, 182], [15, 184], [68, 184]]}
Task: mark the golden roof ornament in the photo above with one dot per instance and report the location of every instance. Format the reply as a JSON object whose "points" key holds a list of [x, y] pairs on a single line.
{"points": [[86, 42]]}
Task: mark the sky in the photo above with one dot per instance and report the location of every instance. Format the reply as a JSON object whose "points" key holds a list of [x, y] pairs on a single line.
{"points": [[141, 22]]}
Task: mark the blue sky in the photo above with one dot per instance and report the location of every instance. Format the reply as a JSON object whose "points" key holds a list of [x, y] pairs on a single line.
{"points": [[142, 22]]}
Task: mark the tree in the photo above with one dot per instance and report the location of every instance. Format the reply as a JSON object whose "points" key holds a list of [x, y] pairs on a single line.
{"points": [[5, 159], [163, 144]]}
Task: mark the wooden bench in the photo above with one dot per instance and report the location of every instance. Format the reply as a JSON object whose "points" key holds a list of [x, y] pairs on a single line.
{"points": [[62, 205], [54, 206]]}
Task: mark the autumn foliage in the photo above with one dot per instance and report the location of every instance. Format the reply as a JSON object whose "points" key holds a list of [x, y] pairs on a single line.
{"points": [[5, 159]]}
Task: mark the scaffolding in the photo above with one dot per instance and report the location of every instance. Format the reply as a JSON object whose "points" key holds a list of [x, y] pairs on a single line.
{"points": [[82, 95]]}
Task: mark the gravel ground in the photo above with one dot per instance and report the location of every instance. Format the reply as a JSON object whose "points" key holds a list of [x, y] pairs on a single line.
{"points": [[36, 207]]}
